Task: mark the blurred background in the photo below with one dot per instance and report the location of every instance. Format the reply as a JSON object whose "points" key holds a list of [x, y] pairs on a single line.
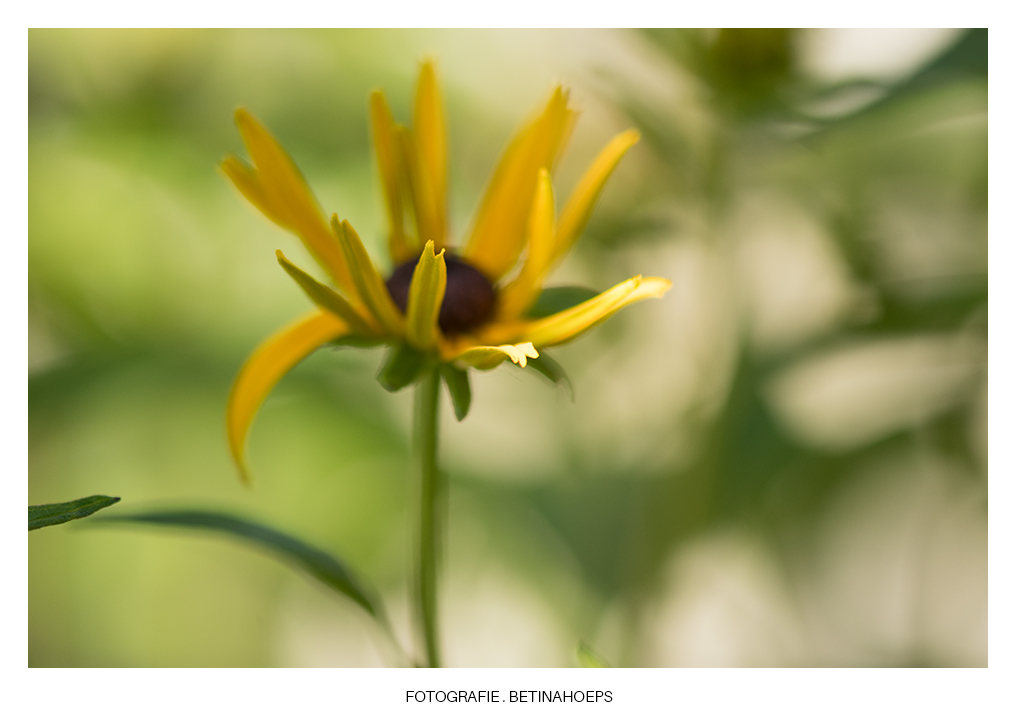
{"points": [[780, 463]]}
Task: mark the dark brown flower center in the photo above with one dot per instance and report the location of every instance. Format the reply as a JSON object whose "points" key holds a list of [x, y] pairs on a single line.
{"points": [[469, 297]]}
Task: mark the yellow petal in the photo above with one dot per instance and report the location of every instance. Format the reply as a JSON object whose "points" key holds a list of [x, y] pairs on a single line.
{"points": [[567, 324], [499, 230], [421, 193], [327, 298], [432, 155], [246, 180], [366, 279], [273, 359], [285, 197], [519, 295], [580, 205], [386, 147], [484, 357], [427, 290]]}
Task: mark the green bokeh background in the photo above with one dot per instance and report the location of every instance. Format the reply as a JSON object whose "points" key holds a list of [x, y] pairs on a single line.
{"points": [[783, 462]]}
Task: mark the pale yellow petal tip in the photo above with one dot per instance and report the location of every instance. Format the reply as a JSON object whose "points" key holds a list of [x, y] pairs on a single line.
{"points": [[653, 286], [527, 350], [487, 357], [520, 352]]}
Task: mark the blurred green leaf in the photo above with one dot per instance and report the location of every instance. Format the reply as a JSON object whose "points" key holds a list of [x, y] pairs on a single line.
{"points": [[51, 514], [746, 69], [555, 299], [458, 382], [965, 60], [552, 370], [616, 231], [750, 64], [402, 366], [358, 341], [588, 658], [320, 564]]}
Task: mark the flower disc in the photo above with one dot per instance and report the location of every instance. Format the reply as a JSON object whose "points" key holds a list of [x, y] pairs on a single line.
{"points": [[469, 296]]}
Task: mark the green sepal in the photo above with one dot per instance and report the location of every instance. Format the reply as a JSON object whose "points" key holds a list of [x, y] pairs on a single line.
{"points": [[50, 514], [552, 370], [320, 564], [588, 658], [553, 300], [323, 296], [458, 383], [402, 366]]}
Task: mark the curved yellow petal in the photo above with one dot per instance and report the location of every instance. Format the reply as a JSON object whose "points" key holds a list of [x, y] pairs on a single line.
{"points": [[432, 154], [283, 195], [393, 173], [499, 230], [427, 291], [567, 324], [485, 357], [366, 279], [580, 205], [273, 359], [327, 298], [520, 294]]}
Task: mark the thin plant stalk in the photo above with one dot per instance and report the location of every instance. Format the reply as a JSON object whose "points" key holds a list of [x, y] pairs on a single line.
{"points": [[426, 580]]}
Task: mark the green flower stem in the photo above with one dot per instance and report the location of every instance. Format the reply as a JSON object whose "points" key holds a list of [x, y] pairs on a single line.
{"points": [[426, 439]]}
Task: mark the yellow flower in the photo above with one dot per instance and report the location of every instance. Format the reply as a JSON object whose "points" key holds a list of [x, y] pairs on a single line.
{"points": [[452, 308]]}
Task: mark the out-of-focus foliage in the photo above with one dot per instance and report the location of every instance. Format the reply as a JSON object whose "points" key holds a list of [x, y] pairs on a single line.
{"points": [[781, 462], [318, 563], [855, 244]]}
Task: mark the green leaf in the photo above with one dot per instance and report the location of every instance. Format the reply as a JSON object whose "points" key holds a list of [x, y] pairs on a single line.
{"points": [[458, 383], [320, 564], [555, 299], [552, 370], [402, 366], [587, 657], [51, 514]]}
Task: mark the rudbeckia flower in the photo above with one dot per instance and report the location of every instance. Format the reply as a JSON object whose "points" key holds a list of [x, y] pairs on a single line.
{"points": [[454, 306]]}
